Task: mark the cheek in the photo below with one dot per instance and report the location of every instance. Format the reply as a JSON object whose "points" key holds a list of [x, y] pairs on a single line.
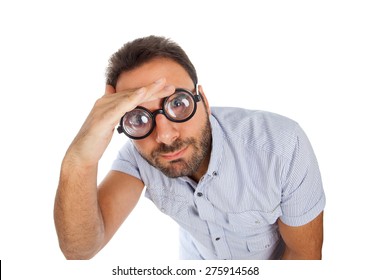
{"points": [[144, 146], [196, 123], [192, 129]]}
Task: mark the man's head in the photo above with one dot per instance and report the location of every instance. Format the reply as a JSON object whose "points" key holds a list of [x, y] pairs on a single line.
{"points": [[135, 53], [177, 149]]}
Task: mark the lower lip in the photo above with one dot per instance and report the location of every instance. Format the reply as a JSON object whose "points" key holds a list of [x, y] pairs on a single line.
{"points": [[174, 156]]}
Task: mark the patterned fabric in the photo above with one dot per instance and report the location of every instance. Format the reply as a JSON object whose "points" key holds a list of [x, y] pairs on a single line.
{"points": [[262, 168]]}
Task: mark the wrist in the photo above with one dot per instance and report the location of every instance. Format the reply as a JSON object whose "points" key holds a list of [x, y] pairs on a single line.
{"points": [[74, 162]]}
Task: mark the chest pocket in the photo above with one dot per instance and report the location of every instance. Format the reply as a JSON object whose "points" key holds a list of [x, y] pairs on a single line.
{"points": [[171, 204], [262, 241], [179, 206], [253, 221], [259, 229]]}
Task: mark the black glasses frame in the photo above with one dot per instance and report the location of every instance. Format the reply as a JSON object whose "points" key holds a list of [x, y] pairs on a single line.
{"points": [[196, 98]]}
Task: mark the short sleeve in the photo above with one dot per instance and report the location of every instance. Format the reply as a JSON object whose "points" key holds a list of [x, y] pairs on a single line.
{"points": [[126, 161], [303, 196]]}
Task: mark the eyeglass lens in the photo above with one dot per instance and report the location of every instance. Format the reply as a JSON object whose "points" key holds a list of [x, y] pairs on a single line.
{"points": [[178, 107], [137, 122]]}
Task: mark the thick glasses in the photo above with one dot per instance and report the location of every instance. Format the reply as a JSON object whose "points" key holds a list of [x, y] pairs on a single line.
{"points": [[178, 107]]}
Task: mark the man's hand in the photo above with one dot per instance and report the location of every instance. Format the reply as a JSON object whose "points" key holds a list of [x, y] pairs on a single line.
{"points": [[96, 132]]}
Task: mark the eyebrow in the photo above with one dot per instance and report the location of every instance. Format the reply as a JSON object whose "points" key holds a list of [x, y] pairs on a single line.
{"points": [[162, 99]]}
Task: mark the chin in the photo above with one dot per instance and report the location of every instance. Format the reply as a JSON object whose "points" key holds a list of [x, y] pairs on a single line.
{"points": [[176, 168]]}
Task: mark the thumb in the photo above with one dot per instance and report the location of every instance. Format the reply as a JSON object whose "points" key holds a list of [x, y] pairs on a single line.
{"points": [[109, 89]]}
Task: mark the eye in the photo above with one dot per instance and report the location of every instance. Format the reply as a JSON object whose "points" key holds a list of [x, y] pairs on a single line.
{"points": [[180, 101], [179, 106], [138, 120], [137, 123]]}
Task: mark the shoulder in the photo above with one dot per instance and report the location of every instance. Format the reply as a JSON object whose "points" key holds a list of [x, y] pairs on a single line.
{"points": [[258, 129], [237, 118]]}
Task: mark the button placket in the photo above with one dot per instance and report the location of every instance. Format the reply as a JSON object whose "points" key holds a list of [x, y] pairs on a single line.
{"points": [[219, 241], [206, 212]]}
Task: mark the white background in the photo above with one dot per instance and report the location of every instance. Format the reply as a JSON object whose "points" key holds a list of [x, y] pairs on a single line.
{"points": [[308, 60]]}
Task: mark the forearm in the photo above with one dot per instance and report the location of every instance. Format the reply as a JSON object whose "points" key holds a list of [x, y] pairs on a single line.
{"points": [[290, 255], [297, 255], [77, 215]]}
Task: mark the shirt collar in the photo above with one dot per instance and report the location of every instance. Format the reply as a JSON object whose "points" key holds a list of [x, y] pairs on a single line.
{"points": [[218, 140]]}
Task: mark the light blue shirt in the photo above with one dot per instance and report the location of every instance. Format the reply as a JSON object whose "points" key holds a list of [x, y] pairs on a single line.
{"points": [[262, 168]]}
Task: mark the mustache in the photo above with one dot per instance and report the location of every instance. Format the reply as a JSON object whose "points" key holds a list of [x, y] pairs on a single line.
{"points": [[175, 146]]}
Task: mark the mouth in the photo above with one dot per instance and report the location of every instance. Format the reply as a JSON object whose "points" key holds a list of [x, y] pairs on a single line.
{"points": [[175, 155]]}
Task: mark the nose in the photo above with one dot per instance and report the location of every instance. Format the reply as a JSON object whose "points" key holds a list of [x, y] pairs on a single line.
{"points": [[165, 130]]}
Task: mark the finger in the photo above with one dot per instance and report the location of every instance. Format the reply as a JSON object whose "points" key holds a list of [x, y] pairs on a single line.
{"points": [[157, 90], [109, 89], [144, 91], [162, 93], [132, 98]]}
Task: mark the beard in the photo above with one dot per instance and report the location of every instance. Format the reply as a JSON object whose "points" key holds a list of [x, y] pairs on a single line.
{"points": [[181, 167]]}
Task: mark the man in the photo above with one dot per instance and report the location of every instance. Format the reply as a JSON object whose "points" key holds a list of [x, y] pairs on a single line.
{"points": [[241, 184]]}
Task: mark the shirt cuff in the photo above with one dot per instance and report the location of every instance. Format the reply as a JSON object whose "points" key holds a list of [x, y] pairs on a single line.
{"points": [[307, 217]]}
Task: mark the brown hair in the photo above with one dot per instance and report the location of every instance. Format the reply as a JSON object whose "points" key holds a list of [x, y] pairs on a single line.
{"points": [[135, 53]]}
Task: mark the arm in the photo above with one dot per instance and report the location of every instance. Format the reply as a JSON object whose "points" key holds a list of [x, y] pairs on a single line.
{"points": [[118, 194], [303, 242], [87, 217]]}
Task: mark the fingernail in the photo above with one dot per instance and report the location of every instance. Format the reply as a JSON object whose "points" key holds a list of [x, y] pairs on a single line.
{"points": [[141, 91], [169, 88], [159, 81]]}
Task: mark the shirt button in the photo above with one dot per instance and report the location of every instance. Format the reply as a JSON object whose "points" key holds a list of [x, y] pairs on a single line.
{"points": [[218, 238], [199, 194], [214, 173]]}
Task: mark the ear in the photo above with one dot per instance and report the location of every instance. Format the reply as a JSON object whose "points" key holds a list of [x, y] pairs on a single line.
{"points": [[204, 98], [109, 89]]}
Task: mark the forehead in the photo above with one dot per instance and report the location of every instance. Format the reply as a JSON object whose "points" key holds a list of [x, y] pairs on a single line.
{"points": [[153, 70]]}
